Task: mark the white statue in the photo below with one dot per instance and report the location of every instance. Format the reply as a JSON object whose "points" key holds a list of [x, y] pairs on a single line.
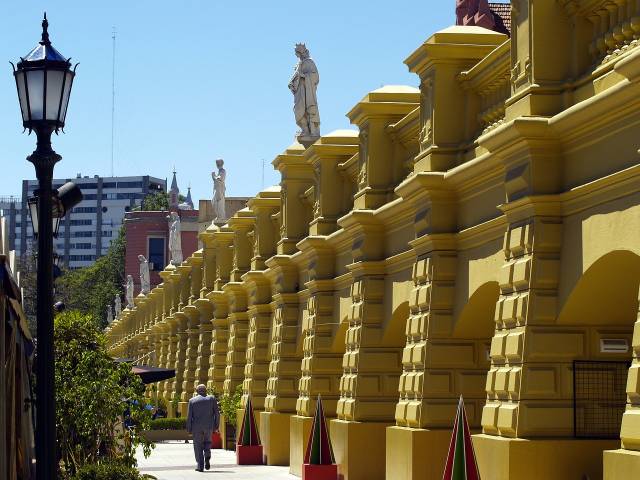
{"points": [[118, 304], [175, 242], [109, 314], [145, 283], [130, 291], [304, 85], [219, 192]]}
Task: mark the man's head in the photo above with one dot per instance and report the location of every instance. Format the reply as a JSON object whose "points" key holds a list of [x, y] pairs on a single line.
{"points": [[301, 51], [219, 163], [201, 389], [142, 258]]}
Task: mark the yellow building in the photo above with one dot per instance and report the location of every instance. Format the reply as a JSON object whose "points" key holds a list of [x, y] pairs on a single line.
{"points": [[477, 236]]}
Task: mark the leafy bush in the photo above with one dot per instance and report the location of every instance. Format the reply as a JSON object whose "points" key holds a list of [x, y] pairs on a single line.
{"points": [[229, 405], [108, 471], [93, 393], [168, 424]]}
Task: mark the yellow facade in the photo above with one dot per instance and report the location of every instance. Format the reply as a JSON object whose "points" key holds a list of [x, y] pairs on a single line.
{"points": [[476, 236]]}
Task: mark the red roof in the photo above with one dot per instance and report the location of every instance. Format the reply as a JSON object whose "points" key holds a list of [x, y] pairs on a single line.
{"points": [[502, 14]]}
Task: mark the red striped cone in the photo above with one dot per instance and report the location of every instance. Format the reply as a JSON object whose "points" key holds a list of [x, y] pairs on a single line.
{"points": [[319, 461], [461, 460], [248, 447]]}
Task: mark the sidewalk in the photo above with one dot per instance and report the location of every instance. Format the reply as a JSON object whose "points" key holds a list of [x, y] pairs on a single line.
{"points": [[175, 461]]}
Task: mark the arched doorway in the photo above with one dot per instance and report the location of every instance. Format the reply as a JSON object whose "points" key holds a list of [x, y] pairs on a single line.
{"points": [[603, 304]]}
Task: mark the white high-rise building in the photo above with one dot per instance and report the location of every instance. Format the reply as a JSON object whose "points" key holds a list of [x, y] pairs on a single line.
{"points": [[86, 232]]}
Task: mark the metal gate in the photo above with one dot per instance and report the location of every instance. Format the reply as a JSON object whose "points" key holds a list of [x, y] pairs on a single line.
{"points": [[599, 398]]}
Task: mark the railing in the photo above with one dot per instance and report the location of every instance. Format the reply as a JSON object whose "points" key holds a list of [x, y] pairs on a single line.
{"points": [[490, 80], [616, 25]]}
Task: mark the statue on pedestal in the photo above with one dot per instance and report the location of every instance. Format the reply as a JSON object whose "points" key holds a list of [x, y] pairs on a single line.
{"points": [[304, 85], [145, 283], [130, 303], [109, 314], [118, 304], [175, 241], [219, 192]]}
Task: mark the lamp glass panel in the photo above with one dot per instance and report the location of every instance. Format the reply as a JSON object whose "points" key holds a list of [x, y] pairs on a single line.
{"points": [[54, 92], [33, 210], [22, 96], [65, 96], [55, 224], [35, 85]]}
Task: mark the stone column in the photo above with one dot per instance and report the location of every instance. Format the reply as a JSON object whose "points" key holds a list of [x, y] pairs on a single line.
{"points": [[237, 342], [182, 321], [191, 354], [284, 367], [624, 462], [219, 341], [205, 308], [256, 370]]}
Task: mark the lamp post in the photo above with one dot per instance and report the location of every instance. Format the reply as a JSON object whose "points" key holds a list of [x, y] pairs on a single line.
{"points": [[44, 79]]}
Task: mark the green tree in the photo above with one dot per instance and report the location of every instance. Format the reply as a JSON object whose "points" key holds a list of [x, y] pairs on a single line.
{"points": [[100, 404], [28, 277], [157, 201], [92, 289]]}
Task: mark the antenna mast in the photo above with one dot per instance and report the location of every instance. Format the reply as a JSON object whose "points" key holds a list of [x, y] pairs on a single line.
{"points": [[113, 92]]}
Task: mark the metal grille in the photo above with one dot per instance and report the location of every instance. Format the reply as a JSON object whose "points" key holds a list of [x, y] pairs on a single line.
{"points": [[599, 398]]}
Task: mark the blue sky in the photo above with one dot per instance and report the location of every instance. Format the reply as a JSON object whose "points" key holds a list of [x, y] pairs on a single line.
{"points": [[198, 80]]}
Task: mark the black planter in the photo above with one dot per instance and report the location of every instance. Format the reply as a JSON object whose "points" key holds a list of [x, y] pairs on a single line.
{"points": [[230, 436]]}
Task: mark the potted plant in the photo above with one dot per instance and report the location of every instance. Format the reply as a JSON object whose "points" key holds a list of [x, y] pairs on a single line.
{"points": [[229, 405]]}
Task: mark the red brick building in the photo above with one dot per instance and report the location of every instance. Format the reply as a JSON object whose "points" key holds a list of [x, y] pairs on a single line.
{"points": [[147, 233]]}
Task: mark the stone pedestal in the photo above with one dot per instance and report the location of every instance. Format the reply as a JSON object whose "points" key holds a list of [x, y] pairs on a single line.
{"points": [[359, 449], [502, 458], [274, 433], [414, 453], [621, 464], [182, 408], [307, 140], [300, 429]]}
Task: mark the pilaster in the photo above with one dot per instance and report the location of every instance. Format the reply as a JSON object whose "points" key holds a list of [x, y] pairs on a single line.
{"points": [[237, 342], [295, 214], [219, 340], [256, 370], [377, 176]]}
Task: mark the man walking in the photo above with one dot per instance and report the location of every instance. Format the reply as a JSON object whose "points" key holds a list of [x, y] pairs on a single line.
{"points": [[203, 419]]}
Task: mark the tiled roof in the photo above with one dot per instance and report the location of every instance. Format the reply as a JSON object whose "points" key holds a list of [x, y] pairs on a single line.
{"points": [[502, 14]]}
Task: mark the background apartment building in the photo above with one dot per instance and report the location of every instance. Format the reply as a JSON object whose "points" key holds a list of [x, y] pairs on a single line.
{"points": [[87, 231]]}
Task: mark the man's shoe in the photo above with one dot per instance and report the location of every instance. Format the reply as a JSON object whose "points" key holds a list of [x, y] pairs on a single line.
{"points": [[198, 470], [207, 465]]}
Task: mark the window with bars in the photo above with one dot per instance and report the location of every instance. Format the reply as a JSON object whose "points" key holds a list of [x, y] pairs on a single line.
{"points": [[599, 398]]}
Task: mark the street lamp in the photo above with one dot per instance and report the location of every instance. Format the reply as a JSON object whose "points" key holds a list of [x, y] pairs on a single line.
{"points": [[63, 200], [43, 80]]}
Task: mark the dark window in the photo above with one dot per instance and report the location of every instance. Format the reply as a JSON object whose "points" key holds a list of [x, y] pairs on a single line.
{"points": [[83, 234], [109, 185], [88, 186], [86, 221], [156, 253], [84, 210], [128, 196], [129, 184]]}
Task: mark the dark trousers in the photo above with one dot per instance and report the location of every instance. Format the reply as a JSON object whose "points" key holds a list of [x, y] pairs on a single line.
{"points": [[202, 446]]}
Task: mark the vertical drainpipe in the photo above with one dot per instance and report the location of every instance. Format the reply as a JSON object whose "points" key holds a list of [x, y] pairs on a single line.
{"points": [[12, 226], [67, 236], [99, 218], [24, 216]]}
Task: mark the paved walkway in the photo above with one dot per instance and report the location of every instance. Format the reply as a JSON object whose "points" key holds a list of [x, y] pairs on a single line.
{"points": [[175, 461]]}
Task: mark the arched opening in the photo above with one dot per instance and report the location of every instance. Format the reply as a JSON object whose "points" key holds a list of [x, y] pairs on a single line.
{"points": [[603, 306], [473, 330]]}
